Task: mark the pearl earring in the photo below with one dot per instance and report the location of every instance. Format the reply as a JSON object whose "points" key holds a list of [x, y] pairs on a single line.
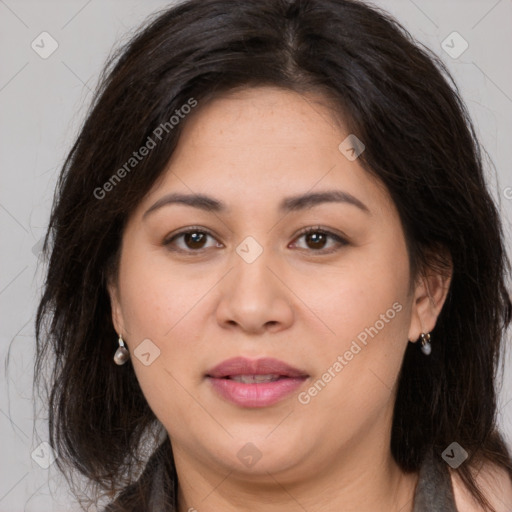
{"points": [[122, 355], [426, 347]]}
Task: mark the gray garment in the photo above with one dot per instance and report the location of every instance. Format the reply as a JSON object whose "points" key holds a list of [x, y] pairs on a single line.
{"points": [[434, 491]]}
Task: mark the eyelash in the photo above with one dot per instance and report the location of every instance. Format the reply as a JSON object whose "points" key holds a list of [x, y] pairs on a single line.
{"points": [[314, 229]]}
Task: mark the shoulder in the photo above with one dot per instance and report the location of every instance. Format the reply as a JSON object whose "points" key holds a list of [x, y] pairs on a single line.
{"points": [[493, 481]]}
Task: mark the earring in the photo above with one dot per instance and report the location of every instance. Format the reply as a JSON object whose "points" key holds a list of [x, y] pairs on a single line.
{"points": [[426, 347], [122, 355]]}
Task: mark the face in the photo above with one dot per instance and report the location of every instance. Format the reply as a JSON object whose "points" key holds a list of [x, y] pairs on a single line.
{"points": [[309, 329]]}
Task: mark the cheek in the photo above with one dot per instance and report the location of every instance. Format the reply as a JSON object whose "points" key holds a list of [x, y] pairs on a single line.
{"points": [[353, 391], [166, 305], [369, 311], [158, 306], [157, 295], [360, 294]]}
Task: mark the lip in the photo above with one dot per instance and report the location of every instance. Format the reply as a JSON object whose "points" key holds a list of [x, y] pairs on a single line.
{"points": [[259, 394]]}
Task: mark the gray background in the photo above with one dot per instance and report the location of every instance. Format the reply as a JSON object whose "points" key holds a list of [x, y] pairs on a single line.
{"points": [[43, 102]]}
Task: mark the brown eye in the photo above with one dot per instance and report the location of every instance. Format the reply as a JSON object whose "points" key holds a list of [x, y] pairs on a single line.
{"points": [[193, 240], [316, 239]]}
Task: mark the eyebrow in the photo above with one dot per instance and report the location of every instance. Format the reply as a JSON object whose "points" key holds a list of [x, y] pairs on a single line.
{"points": [[294, 203]]}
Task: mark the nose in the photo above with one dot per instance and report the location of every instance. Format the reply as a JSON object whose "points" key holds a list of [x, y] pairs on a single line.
{"points": [[255, 297]]}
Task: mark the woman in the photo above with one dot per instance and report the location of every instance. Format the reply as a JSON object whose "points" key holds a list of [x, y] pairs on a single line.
{"points": [[275, 271]]}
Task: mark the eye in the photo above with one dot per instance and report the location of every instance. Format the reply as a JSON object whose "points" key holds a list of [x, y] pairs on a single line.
{"points": [[316, 238], [194, 239]]}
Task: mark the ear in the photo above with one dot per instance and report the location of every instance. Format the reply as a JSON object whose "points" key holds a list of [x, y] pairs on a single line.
{"points": [[429, 297], [117, 316]]}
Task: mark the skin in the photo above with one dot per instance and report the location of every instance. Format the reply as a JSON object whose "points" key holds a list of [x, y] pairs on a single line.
{"points": [[296, 302]]}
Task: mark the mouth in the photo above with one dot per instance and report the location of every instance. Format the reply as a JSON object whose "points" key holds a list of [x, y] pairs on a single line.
{"points": [[254, 379], [255, 383]]}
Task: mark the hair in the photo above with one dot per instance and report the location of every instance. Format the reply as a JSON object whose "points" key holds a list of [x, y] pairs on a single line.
{"points": [[397, 97]]}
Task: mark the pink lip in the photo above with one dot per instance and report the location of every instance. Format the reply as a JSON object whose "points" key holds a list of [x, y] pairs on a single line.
{"points": [[261, 394]]}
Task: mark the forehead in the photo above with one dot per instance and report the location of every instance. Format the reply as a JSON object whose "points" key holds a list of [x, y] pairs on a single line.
{"points": [[257, 145], [263, 116]]}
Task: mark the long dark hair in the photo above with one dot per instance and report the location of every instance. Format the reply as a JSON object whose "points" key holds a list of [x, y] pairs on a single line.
{"points": [[396, 96]]}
